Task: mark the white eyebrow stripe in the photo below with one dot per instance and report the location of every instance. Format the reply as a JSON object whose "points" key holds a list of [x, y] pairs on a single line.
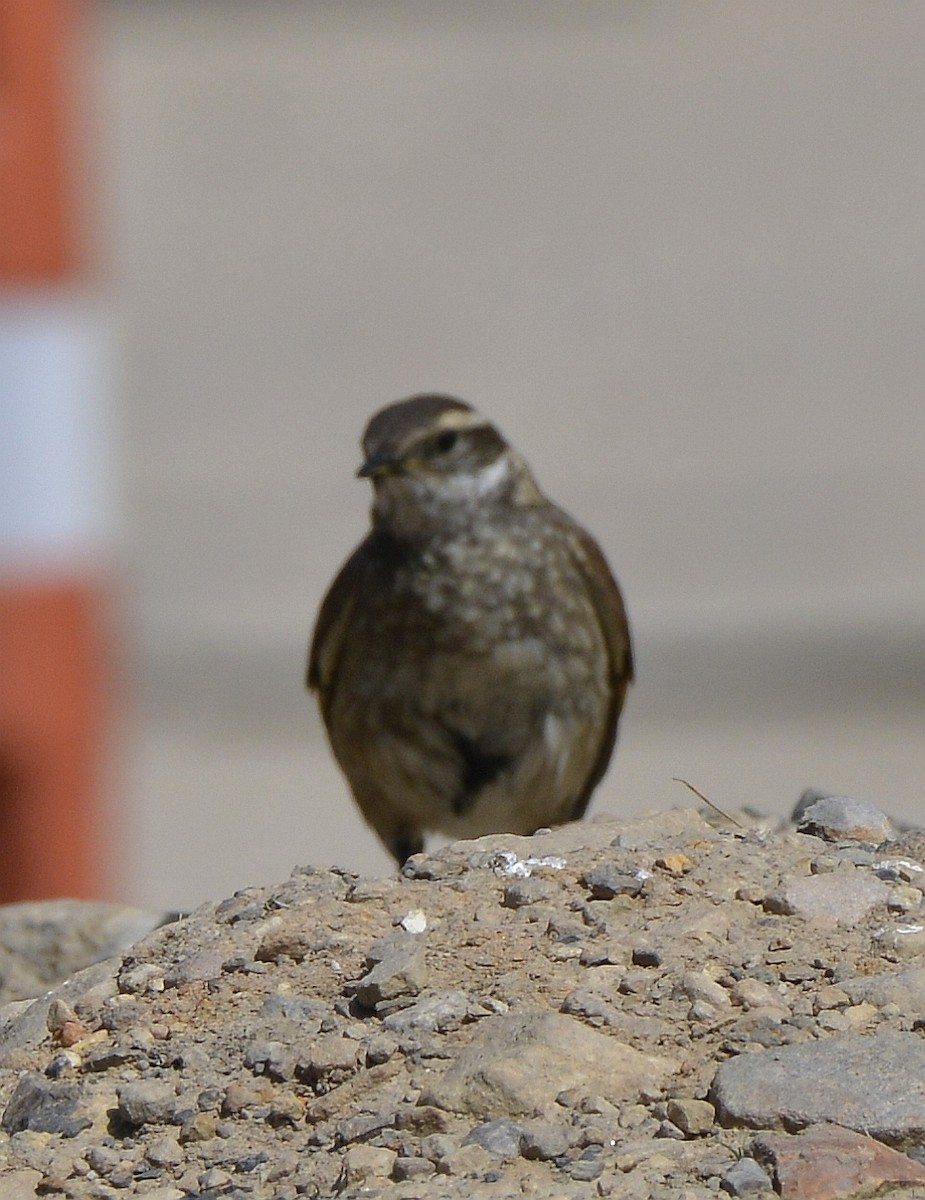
{"points": [[458, 419]]}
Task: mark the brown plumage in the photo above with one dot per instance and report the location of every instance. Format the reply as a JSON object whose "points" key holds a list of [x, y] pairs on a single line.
{"points": [[472, 656]]}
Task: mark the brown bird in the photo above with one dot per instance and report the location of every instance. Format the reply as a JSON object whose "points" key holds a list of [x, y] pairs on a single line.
{"points": [[472, 656]]}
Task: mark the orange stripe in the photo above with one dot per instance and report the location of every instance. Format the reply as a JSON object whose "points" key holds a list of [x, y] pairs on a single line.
{"points": [[38, 238], [53, 674]]}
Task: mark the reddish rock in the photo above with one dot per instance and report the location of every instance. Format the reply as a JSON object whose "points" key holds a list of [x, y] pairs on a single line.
{"points": [[827, 1162]]}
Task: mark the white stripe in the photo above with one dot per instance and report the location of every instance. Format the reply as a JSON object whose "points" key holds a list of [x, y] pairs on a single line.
{"points": [[55, 458]]}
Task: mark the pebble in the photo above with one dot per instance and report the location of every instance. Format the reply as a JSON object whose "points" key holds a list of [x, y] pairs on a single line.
{"points": [[364, 1163], [501, 1138], [442, 1011], [746, 1177], [521, 893], [164, 1152], [692, 1117], [841, 818], [709, 1001], [411, 1168], [544, 1141], [147, 1102], [329, 1060], [608, 881], [397, 969], [467, 1160], [214, 1179]]}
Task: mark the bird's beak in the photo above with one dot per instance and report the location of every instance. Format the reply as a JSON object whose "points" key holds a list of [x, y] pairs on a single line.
{"points": [[378, 466]]}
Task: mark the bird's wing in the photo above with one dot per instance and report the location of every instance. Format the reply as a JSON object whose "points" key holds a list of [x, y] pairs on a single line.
{"points": [[611, 614], [332, 622], [362, 574]]}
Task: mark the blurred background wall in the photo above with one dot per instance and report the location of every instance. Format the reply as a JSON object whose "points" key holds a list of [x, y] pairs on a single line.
{"points": [[677, 251]]}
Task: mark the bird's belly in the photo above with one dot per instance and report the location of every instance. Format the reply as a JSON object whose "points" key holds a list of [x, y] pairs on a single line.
{"points": [[542, 714]]}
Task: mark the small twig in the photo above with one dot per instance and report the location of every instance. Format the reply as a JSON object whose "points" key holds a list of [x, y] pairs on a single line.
{"points": [[709, 803]]}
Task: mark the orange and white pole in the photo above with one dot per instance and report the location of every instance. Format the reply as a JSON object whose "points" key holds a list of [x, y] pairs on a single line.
{"points": [[54, 510]]}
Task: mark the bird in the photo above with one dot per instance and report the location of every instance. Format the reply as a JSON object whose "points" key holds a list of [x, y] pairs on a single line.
{"points": [[472, 656]]}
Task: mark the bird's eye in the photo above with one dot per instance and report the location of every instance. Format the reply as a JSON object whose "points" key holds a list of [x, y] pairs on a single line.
{"points": [[446, 441]]}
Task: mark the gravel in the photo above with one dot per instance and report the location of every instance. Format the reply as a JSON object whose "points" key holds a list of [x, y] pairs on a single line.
{"points": [[670, 1009]]}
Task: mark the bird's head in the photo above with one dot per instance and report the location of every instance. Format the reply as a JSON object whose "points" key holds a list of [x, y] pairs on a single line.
{"points": [[434, 461]]}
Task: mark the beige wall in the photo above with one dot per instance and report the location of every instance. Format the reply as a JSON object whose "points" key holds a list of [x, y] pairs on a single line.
{"points": [[676, 250]]}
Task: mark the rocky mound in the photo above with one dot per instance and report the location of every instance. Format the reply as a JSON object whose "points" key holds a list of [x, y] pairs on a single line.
{"points": [[662, 1008]]}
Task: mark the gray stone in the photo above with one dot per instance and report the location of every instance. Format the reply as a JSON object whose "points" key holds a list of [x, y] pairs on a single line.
{"points": [[164, 1152], [520, 1062], [103, 1159], [398, 969], [871, 1084], [438, 1013], [836, 898], [501, 1138], [366, 1163], [45, 1106], [585, 1002], [521, 893], [709, 1000], [745, 1178], [841, 818], [147, 1102], [587, 1168], [692, 1117], [607, 881], [329, 1060], [903, 988], [436, 1147], [544, 1141], [363, 1126], [406, 1168]]}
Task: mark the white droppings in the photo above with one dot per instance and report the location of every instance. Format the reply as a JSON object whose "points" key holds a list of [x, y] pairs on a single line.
{"points": [[554, 861], [507, 863], [414, 921]]}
